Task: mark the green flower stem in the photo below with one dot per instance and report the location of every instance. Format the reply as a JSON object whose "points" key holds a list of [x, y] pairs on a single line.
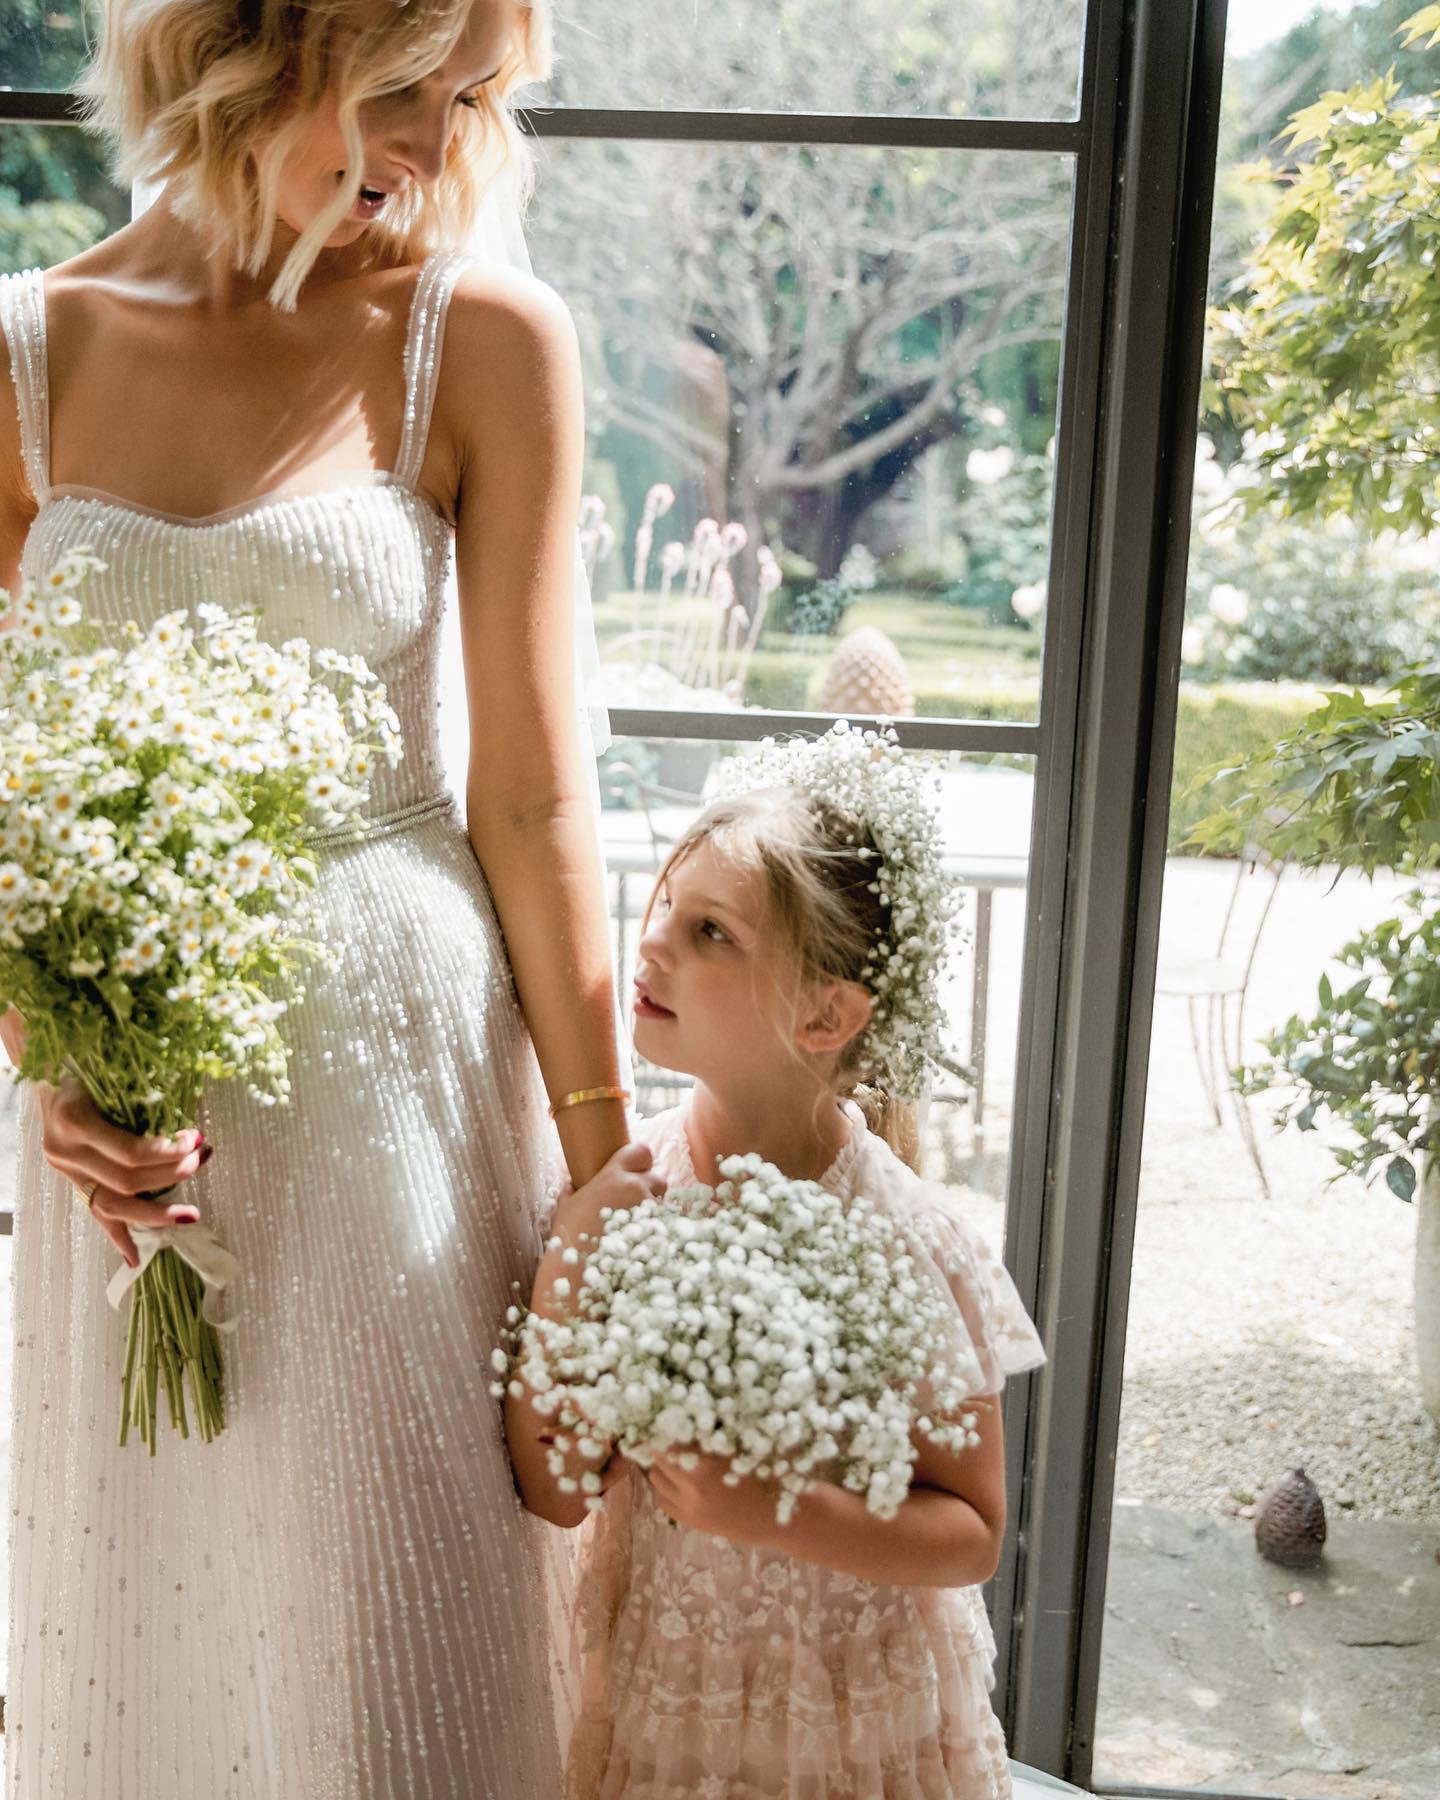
{"points": [[152, 1370], [168, 1337], [172, 1345], [171, 1340], [127, 1380]]}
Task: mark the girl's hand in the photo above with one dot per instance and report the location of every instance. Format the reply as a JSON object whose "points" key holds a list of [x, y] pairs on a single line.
{"points": [[623, 1182], [698, 1497], [83, 1146]]}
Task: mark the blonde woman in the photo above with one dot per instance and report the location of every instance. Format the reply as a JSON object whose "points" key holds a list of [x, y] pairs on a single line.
{"points": [[281, 387]]}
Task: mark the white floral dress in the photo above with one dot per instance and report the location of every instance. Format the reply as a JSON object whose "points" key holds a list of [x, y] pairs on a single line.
{"points": [[716, 1671]]}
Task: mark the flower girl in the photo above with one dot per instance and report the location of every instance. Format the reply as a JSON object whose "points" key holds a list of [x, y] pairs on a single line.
{"points": [[790, 963]]}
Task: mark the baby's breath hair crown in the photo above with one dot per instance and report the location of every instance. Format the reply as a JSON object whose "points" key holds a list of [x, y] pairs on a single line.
{"points": [[864, 773]]}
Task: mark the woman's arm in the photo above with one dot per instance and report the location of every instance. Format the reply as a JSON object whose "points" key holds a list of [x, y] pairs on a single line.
{"points": [[947, 1533], [512, 362]]}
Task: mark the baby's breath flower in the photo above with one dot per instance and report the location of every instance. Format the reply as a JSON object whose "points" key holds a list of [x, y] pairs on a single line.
{"points": [[768, 1322]]}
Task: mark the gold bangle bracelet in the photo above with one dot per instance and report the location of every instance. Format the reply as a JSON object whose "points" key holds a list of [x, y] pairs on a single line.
{"points": [[582, 1095]]}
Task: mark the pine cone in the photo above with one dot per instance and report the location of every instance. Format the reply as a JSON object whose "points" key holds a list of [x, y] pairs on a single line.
{"points": [[867, 675], [1290, 1522]]}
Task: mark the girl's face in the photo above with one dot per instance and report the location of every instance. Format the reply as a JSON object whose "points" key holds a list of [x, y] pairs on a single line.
{"points": [[406, 133], [716, 996]]}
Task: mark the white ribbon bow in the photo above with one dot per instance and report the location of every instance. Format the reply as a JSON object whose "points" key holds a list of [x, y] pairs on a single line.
{"points": [[195, 1244]]}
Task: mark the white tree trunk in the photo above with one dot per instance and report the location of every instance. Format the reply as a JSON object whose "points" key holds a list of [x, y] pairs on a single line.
{"points": [[1427, 1286]]}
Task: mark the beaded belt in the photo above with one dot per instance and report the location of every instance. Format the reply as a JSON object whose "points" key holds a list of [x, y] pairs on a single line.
{"points": [[381, 825]]}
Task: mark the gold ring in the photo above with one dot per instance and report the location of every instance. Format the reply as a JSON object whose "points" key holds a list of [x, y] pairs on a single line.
{"points": [[87, 1194]]}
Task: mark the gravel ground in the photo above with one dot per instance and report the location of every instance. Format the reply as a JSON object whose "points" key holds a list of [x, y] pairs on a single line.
{"points": [[1267, 1333], [1261, 1334]]}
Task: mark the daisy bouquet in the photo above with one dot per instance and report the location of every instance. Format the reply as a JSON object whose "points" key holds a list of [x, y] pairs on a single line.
{"points": [[801, 1336], [158, 793]]}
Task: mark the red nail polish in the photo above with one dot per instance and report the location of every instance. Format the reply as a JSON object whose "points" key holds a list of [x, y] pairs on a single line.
{"points": [[185, 1218], [206, 1154]]}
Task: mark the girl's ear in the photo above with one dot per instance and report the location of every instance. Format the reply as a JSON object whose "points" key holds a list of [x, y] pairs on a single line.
{"points": [[837, 1014]]}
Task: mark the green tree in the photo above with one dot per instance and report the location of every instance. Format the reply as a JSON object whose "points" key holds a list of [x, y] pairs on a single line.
{"points": [[1333, 359], [793, 328]]}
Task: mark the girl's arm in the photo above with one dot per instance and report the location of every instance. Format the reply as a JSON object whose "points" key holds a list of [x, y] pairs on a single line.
{"points": [[947, 1533], [512, 363], [623, 1181]]}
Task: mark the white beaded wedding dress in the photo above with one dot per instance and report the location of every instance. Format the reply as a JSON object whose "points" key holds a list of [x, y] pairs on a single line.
{"points": [[340, 1598]]}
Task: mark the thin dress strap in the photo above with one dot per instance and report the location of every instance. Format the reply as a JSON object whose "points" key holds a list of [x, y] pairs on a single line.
{"points": [[22, 314], [423, 342]]}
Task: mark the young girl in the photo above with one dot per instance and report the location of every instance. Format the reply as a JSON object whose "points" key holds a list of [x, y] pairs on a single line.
{"points": [[792, 950]]}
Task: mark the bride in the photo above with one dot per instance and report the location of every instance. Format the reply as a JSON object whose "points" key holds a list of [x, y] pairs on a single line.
{"points": [[287, 387]]}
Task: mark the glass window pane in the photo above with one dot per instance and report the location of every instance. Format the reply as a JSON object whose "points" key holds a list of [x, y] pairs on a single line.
{"points": [[1274, 1316], [43, 43], [822, 392], [55, 197], [947, 58]]}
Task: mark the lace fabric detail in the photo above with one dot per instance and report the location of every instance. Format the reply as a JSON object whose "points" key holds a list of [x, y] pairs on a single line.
{"points": [[714, 1670], [22, 316]]}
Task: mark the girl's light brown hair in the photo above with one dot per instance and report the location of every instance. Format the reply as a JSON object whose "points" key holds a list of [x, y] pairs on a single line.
{"points": [[817, 866], [210, 95]]}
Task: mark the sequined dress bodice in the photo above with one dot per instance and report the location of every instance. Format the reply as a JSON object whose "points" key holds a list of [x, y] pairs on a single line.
{"points": [[341, 1597], [357, 565]]}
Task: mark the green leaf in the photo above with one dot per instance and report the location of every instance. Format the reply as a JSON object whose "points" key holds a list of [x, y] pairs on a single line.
{"points": [[1400, 1177]]}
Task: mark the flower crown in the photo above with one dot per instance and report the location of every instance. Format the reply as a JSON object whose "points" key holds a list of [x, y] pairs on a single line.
{"points": [[865, 774]]}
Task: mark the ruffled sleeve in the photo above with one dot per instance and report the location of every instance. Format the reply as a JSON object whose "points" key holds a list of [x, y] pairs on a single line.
{"points": [[1004, 1340], [991, 1315]]}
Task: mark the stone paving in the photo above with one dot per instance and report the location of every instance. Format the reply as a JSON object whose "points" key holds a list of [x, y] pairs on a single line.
{"points": [[1223, 1672]]}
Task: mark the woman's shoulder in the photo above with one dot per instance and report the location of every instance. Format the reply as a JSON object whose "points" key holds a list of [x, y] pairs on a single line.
{"points": [[504, 317], [510, 388]]}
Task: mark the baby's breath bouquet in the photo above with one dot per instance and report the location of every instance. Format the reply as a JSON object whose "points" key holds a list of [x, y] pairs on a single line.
{"points": [[157, 794], [802, 1336]]}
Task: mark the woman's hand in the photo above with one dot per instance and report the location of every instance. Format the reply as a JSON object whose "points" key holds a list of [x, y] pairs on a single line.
{"points": [[698, 1496], [83, 1146]]}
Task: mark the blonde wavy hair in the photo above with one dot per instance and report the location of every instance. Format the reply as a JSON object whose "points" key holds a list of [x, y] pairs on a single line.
{"points": [[210, 96]]}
